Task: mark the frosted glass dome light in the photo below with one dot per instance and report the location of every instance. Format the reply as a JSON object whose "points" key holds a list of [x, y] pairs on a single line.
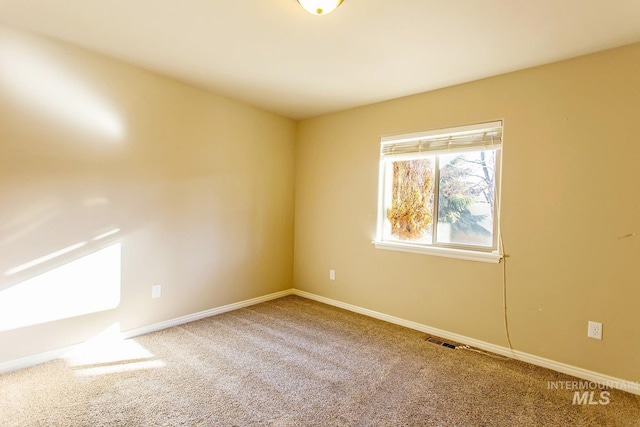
{"points": [[320, 7]]}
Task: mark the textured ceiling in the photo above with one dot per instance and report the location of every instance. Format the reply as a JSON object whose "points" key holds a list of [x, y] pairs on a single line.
{"points": [[275, 55]]}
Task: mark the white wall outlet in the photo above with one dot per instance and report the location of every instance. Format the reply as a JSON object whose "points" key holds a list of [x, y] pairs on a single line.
{"points": [[156, 291], [332, 275], [595, 330]]}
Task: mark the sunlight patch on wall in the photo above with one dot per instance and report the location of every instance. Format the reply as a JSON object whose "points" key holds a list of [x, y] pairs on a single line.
{"points": [[48, 257], [87, 285], [108, 353], [107, 234], [33, 77]]}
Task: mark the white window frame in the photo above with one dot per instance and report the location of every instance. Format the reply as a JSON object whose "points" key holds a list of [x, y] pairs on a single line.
{"points": [[434, 143]]}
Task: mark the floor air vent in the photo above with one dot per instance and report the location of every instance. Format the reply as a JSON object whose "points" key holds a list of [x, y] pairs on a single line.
{"points": [[439, 341]]}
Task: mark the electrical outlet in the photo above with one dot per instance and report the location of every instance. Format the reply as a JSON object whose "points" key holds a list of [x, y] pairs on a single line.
{"points": [[595, 330], [156, 291], [332, 275]]}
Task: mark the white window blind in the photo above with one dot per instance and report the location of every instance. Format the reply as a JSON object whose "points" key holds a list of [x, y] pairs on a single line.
{"points": [[488, 135]]}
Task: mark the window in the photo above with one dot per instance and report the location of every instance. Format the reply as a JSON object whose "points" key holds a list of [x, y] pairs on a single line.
{"points": [[439, 192]]}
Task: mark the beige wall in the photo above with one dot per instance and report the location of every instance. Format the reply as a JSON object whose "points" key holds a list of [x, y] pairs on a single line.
{"points": [[200, 186], [570, 190]]}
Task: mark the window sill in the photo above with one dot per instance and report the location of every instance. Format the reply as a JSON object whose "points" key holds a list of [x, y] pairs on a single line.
{"points": [[490, 257]]}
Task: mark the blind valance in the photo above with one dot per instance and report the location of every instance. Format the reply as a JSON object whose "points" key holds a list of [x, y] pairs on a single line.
{"points": [[487, 135]]}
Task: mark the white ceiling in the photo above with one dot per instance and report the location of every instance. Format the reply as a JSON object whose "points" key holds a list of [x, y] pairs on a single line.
{"points": [[275, 55]]}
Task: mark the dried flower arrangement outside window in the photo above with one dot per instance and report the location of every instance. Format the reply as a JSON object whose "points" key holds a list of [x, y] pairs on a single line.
{"points": [[410, 214]]}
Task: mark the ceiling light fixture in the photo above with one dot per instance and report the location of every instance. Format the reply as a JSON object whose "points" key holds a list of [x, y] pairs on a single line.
{"points": [[320, 7]]}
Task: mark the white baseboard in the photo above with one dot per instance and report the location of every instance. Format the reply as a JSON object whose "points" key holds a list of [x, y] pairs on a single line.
{"points": [[629, 386], [47, 356], [202, 314], [36, 359]]}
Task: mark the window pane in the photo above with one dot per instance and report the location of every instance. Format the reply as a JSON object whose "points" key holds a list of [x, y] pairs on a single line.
{"points": [[409, 210], [466, 198]]}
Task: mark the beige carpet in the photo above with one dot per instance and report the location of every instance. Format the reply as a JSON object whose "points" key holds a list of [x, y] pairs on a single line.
{"points": [[294, 362]]}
